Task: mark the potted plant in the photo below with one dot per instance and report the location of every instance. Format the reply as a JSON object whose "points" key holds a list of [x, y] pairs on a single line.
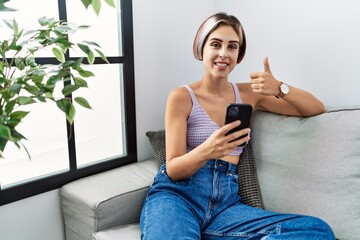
{"points": [[24, 81]]}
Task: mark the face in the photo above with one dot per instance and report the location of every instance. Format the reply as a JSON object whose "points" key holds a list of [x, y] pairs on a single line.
{"points": [[220, 52]]}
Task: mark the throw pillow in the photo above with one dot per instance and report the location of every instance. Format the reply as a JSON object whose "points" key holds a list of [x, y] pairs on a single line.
{"points": [[248, 183], [249, 188], [157, 141]]}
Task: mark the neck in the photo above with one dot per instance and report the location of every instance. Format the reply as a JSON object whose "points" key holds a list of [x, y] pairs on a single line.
{"points": [[215, 87]]}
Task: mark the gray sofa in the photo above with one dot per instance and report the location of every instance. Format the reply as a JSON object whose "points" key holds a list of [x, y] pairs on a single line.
{"points": [[303, 165]]}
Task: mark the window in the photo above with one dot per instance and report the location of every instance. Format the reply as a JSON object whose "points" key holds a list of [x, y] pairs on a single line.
{"points": [[100, 139]]}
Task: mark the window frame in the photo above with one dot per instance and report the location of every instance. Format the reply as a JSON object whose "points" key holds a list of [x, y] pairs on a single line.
{"points": [[55, 181]]}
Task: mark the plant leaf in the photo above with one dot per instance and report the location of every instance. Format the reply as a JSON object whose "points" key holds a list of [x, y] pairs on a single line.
{"points": [[4, 8], [103, 57], [16, 135], [54, 79], [5, 132], [25, 100], [80, 82], [15, 88], [10, 106], [46, 21], [84, 73], [33, 90], [110, 2], [83, 26], [3, 143], [19, 63], [49, 95], [84, 48], [59, 55], [9, 23], [86, 3], [92, 43], [68, 89], [68, 108], [83, 102], [91, 57], [96, 6], [19, 114], [43, 21]]}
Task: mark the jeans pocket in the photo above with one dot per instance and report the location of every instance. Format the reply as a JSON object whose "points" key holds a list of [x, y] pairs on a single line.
{"points": [[164, 177]]}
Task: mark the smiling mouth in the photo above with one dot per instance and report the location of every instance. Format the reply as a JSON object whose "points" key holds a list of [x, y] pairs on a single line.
{"points": [[221, 64]]}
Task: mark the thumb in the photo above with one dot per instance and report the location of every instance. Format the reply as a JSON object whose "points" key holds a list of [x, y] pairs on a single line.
{"points": [[266, 65]]}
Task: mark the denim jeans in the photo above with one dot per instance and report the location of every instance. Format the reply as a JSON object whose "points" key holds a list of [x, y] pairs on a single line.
{"points": [[207, 206]]}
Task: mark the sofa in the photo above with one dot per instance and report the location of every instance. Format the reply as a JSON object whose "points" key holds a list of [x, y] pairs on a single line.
{"points": [[301, 165]]}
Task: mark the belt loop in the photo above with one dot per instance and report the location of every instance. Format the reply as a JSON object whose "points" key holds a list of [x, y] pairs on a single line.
{"points": [[216, 163], [230, 168]]}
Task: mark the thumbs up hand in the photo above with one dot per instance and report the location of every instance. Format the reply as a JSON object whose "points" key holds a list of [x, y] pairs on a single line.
{"points": [[264, 82]]}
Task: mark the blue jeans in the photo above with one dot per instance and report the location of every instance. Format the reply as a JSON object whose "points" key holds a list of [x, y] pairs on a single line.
{"points": [[207, 206]]}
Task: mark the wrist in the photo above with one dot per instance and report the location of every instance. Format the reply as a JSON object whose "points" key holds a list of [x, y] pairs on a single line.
{"points": [[278, 91], [283, 89]]}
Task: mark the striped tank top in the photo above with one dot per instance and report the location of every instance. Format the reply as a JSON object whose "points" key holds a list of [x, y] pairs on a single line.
{"points": [[199, 124]]}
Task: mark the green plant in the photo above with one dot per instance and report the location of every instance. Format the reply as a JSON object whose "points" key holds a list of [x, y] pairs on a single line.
{"points": [[96, 4], [24, 81]]}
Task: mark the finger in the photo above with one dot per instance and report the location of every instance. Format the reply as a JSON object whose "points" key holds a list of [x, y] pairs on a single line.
{"points": [[266, 65], [255, 74], [242, 140], [254, 81], [258, 80], [226, 128], [241, 135]]}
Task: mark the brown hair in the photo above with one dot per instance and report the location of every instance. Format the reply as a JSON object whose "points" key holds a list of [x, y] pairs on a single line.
{"points": [[212, 23]]}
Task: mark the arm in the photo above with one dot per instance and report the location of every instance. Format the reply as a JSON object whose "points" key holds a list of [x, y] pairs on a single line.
{"points": [[179, 163], [297, 102]]}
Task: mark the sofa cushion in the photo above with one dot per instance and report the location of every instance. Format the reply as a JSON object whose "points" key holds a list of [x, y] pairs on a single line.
{"points": [[106, 200], [128, 232], [157, 141], [311, 166], [248, 182]]}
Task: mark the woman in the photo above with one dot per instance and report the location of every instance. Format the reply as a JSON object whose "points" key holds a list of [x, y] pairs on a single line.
{"points": [[195, 194]]}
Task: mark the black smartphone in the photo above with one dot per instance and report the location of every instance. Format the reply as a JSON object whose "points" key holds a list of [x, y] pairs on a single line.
{"points": [[239, 111]]}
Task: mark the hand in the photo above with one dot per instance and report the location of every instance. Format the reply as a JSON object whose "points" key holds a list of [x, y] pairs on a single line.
{"points": [[264, 82], [219, 144]]}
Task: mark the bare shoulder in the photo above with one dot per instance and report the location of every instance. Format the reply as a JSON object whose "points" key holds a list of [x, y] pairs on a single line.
{"points": [[179, 95], [179, 99]]}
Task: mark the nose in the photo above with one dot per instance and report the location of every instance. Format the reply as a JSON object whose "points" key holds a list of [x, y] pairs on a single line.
{"points": [[223, 53]]}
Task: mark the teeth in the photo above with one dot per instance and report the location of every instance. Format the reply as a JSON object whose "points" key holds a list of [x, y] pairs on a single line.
{"points": [[221, 64]]}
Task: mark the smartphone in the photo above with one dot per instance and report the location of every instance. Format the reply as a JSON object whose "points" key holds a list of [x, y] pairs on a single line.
{"points": [[239, 111]]}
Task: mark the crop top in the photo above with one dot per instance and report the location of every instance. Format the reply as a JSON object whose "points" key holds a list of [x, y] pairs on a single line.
{"points": [[200, 126]]}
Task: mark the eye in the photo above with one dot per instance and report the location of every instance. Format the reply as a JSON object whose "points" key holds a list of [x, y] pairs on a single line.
{"points": [[215, 44], [233, 46]]}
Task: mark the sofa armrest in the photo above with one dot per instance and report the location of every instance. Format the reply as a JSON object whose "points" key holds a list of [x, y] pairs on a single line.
{"points": [[105, 200]]}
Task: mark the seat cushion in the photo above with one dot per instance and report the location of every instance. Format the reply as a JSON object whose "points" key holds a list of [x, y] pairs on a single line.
{"points": [[128, 232], [106, 200]]}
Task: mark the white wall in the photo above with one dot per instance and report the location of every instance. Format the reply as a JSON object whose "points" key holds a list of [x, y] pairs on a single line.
{"points": [[38, 217], [310, 44]]}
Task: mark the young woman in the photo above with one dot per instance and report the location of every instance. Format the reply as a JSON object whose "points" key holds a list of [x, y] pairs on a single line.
{"points": [[195, 194]]}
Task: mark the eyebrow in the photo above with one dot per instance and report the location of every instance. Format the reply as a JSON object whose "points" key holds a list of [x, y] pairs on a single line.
{"points": [[231, 41]]}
